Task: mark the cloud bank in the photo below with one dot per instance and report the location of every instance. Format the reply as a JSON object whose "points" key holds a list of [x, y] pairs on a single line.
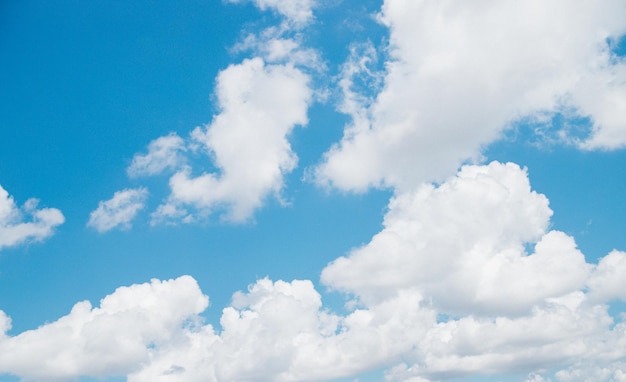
{"points": [[446, 289]]}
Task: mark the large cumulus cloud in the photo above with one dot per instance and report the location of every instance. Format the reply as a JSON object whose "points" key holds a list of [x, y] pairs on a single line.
{"points": [[459, 73], [452, 292]]}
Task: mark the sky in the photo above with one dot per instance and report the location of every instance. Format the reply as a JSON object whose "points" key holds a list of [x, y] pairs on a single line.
{"points": [[313, 190]]}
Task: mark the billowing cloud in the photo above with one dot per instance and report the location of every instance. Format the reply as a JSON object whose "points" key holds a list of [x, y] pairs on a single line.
{"points": [[460, 72], [15, 226], [163, 153], [453, 292], [464, 244], [118, 211], [112, 339], [260, 105]]}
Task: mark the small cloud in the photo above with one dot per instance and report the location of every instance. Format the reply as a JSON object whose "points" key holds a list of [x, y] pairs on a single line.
{"points": [[297, 12], [163, 153], [15, 229], [119, 210]]}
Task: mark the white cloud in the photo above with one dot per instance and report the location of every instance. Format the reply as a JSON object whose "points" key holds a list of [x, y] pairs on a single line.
{"points": [[460, 72], [463, 244], [607, 281], [260, 105], [15, 229], [163, 153], [298, 12], [278, 45], [113, 339], [118, 211], [615, 372], [452, 293]]}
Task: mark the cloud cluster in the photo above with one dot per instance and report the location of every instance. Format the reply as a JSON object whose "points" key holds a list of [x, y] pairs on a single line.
{"points": [[460, 72], [260, 101], [446, 289], [16, 229], [465, 278], [118, 211]]}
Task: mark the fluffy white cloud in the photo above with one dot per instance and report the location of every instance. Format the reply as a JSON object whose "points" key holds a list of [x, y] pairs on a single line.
{"points": [[463, 244], [260, 105], [608, 281], [163, 153], [113, 339], [298, 12], [451, 293], [16, 229], [260, 101], [118, 211], [460, 72]]}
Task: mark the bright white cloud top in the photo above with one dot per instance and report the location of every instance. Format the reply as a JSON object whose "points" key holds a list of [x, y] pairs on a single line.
{"points": [[471, 273], [461, 72], [260, 105], [480, 304]]}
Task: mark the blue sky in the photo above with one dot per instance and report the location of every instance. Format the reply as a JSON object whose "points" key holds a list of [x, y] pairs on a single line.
{"points": [[374, 190]]}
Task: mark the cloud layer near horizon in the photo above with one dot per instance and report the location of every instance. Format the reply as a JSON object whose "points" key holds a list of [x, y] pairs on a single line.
{"points": [[447, 287]]}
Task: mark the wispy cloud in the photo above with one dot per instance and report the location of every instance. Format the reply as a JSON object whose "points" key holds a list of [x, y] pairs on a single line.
{"points": [[164, 153], [296, 12], [118, 211]]}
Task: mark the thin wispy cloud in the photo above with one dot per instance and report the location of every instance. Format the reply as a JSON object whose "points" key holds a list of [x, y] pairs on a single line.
{"points": [[119, 211]]}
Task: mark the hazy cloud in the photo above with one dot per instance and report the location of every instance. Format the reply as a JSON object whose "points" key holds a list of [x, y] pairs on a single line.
{"points": [[297, 12], [118, 211], [163, 153]]}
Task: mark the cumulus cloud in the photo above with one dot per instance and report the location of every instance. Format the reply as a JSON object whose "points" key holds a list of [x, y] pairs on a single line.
{"points": [[463, 244], [15, 226], [452, 293], [163, 153], [260, 105], [460, 72], [607, 281], [112, 339], [260, 101], [118, 211]]}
